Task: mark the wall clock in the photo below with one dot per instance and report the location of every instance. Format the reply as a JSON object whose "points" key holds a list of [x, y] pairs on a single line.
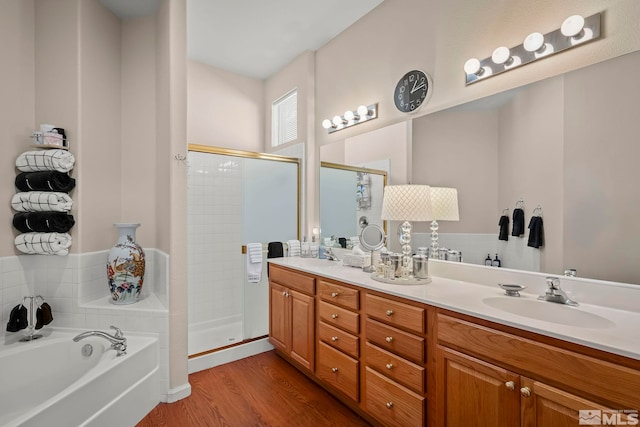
{"points": [[413, 90]]}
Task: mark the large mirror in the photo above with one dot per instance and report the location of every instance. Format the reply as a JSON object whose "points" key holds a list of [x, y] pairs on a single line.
{"points": [[350, 199], [567, 145]]}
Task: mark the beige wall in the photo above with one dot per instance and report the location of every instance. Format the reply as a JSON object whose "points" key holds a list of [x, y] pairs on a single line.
{"points": [[224, 108]]}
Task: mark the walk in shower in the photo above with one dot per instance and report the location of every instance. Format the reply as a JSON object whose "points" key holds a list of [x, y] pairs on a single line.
{"points": [[234, 198]]}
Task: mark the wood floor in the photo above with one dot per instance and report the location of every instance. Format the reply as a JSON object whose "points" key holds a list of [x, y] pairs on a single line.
{"points": [[262, 390]]}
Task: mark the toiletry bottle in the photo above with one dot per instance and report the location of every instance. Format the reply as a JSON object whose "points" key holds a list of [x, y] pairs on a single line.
{"points": [[304, 248], [496, 262], [322, 249], [313, 248], [487, 260]]}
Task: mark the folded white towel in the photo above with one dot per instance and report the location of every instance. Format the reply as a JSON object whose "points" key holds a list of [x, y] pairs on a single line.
{"points": [[293, 247], [41, 201], [45, 160], [43, 243], [254, 262]]}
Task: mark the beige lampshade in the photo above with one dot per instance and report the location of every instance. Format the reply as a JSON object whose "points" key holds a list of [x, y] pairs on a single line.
{"points": [[406, 203], [444, 204]]}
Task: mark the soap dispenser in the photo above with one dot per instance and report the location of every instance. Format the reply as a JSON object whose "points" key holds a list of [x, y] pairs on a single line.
{"points": [[305, 248], [496, 262], [487, 260], [313, 248]]}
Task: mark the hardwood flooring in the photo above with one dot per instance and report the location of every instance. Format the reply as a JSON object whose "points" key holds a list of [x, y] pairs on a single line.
{"points": [[262, 390]]}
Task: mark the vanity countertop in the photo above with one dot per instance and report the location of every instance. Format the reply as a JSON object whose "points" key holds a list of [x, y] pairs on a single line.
{"points": [[609, 329]]}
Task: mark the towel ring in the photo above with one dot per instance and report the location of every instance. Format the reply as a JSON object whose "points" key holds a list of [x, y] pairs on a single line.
{"points": [[537, 211], [505, 211], [520, 204]]}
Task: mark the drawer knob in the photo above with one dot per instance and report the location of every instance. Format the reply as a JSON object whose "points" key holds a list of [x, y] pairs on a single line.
{"points": [[510, 385], [389, 405], [334, 370], [389, 339], [284, 294], [334, 316], [334, 338], [334, 294], [389, 312], [389, 365], [525, 391]]}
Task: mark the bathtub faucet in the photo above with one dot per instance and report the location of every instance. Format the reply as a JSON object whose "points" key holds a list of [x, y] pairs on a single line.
{"points": [[118, 341]]}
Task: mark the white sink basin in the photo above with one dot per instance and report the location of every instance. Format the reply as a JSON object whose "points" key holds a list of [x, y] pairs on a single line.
{"points": [[549, 312]]}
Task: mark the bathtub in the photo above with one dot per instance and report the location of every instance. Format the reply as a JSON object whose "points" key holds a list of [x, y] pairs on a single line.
{"points": [[50, 382]]}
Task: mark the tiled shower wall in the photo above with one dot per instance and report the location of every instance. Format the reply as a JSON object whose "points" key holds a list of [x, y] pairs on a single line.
{"points": [[76, 288]]}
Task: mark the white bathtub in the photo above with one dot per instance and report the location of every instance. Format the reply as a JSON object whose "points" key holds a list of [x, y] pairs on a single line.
{"points": [[49, 382]]}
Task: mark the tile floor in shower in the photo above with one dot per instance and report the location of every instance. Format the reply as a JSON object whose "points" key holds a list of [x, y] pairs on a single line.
{"points": [[206, 336]]}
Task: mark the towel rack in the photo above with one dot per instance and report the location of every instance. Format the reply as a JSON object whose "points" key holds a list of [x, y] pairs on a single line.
{"points": [[537, 211], [520, 203]]}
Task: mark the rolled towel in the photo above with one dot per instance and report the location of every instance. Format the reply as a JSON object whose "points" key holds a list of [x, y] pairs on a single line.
{"points": [[293, 247], [43, 243], [45, 160], [518, 222], [41, 201], [504, 228], [46, 222], [45, 181]]}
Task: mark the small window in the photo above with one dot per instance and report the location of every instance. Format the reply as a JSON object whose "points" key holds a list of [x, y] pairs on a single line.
{"points": [[284, 119]]}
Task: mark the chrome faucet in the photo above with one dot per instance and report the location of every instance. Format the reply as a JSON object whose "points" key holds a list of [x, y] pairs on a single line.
{"points": [[555, 293], [118, 341], [330, 255]]}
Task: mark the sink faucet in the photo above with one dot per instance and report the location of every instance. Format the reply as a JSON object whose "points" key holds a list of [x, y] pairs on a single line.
{"points": [[118, 341], [330, 255], [555, 293]]}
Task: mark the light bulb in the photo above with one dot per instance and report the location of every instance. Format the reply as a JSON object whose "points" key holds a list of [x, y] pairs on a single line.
{"points": [[326, 123], [534, 42], [349, 115], [572, 26], [363, 111], [472, 66], [501, 55], [337, 120]]}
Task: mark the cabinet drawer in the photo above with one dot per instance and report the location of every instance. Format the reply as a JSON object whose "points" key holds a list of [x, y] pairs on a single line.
{"points": [[396, 313], [392, 403], [396, 341], [339, 339], [555, 365], [340, 317], [338, 294], [395, 367], [293, 280], [338, 370]]}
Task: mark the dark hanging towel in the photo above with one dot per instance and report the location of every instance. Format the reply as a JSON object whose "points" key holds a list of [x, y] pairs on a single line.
{"points": [[45, 181], [504, 228], [43, 315], [17, 319], [44, 222], [518, 222], [536, 232], [343, 242], [275, 250]]}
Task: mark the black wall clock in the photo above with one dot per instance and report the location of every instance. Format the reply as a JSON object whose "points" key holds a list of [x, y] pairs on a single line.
{"points": [[413, 90]]}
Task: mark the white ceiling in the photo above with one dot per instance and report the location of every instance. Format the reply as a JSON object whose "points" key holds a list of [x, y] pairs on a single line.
{"points": [[255, 38]]}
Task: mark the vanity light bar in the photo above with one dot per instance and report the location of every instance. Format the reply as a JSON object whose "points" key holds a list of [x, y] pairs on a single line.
{"points": [[575, 31], [350, 118]]}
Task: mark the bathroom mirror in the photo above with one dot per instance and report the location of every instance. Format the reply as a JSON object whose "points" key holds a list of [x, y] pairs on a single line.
{"points": [[350, 199], [568, 144]]}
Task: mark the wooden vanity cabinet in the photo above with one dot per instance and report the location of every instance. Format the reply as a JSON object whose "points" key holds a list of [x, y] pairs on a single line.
{"points": [[394, 361], [292, 315], [490, 377]]}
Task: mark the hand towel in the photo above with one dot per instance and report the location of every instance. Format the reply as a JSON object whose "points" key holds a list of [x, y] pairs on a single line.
{"points": [[518, 222], [536, 232], [254, 262], [294, 247], [17, 319], [45, 222], [43, 243], [275, 250], [45, 181], [504, 228], [41, 201], [45, 160]]}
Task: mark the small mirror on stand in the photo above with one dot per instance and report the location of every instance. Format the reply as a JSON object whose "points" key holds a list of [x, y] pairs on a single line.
{"points": [[371, 239]]}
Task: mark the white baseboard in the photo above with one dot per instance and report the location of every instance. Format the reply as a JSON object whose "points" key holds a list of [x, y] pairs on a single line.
{"points": [[178, 393], [229, 355]]}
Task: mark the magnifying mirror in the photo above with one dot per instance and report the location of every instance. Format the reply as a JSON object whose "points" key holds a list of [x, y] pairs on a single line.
{"points": [[371, 239]]}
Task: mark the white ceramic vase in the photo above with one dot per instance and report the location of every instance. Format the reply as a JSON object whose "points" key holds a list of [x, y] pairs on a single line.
{"points": [[125, 266]]}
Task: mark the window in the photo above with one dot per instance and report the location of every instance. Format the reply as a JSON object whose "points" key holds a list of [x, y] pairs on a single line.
{"points": [[284, 119]]}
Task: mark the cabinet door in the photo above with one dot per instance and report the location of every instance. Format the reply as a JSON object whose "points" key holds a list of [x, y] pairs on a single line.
{"points": [[302, 328], [476, 393], [278, 317], [543, 405]]}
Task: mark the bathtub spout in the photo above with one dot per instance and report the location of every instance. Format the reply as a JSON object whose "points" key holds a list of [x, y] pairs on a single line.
{"points": [[118, 341]]}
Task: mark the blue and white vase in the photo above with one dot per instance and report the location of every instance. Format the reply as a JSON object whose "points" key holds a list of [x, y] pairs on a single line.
{"points": [[125, 266]]}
